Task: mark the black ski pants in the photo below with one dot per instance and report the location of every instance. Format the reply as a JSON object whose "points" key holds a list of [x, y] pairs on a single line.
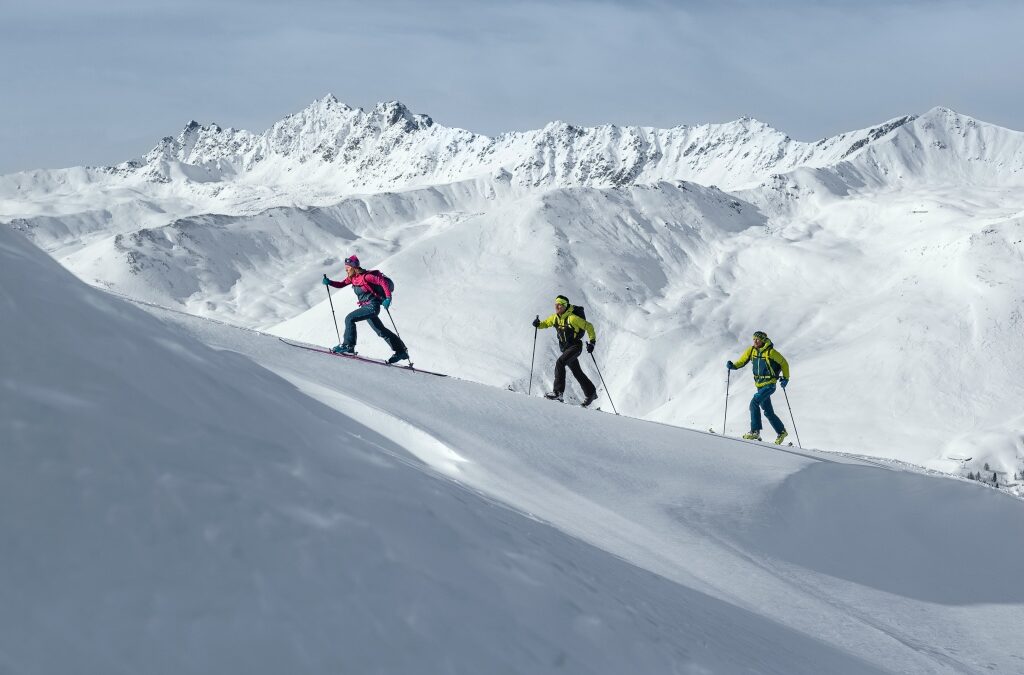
{"points": [[571, 357]]}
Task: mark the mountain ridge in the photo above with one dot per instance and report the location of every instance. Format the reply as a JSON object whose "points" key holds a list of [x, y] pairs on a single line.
{"points": [[330, 150], [605, 155], [333, 132]]}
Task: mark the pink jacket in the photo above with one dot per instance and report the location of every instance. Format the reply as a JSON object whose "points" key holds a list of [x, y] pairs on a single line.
{"points": [[368, 285]]}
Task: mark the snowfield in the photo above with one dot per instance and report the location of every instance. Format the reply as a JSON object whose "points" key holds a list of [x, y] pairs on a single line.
{"points": [[182, 492], [179, 495], [885, 263]]}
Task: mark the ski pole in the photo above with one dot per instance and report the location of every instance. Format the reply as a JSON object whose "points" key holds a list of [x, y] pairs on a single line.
{"points": [[792, 419], [388, 310], [725, 415], [332, 311], [603, 383], [395, 326], [532, 357]]}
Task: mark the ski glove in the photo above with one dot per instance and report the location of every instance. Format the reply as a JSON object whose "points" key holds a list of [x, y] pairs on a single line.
{"points": [[730, 365], [590, 347], [386, 303], [327, 282], [536, 323], [783, 382]]}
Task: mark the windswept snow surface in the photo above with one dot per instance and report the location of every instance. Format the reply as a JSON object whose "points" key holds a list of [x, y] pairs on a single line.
{"points": [[885, 262], [181, 496]]}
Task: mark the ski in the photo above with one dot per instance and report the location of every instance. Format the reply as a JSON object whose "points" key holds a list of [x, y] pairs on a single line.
{"points": [[576, 404], [749, 440], [356, 357]]}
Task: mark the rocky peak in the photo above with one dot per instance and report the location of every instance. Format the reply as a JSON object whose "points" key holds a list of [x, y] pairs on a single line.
{"points": [[395, 113]]}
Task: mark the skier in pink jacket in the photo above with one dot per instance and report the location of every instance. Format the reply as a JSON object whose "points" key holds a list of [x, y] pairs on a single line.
{"points": [[373, 291]]}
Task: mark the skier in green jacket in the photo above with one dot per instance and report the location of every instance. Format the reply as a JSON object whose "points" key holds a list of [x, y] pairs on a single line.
{"points": [[570, 327], [769, 367]]}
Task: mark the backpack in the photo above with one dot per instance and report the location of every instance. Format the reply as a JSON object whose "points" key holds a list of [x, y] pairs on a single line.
{"points": [[387, 279], [568, 333]]}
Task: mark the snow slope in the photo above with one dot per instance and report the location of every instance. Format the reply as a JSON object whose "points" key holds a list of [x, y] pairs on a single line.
{"points": [[885, 262], [171, 508], [182, 496]]}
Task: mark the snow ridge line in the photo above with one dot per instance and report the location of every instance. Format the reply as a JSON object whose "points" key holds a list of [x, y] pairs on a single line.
{"points": [[144, 303], [418, 442], [763, 446]]}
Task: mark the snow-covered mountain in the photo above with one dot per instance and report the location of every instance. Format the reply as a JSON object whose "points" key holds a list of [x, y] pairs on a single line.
{"points": [[181, 496], [885, 262], [390, 148], [330, 150]]}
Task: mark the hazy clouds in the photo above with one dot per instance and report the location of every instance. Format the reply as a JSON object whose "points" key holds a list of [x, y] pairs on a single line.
{"points": [[101, 84]]}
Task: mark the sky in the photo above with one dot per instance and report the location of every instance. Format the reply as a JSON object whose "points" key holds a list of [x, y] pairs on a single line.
{"points": [[101, 82]]}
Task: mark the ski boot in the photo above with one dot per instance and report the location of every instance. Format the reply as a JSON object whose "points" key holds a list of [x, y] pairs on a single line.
{"points": [[399, 356], [553, 396], [589, 399], [344, 349], [781, 437], [752, 435]]}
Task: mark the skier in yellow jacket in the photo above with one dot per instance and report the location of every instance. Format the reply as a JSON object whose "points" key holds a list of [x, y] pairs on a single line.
{"points": [[570, 324], [769, 367]]}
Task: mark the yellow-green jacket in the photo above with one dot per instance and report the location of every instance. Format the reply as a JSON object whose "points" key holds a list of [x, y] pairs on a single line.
{"points": [[767, 364], [570, 327]]}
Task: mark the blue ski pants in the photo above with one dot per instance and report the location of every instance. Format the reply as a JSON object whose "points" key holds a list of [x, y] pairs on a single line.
{"points": [[763, 399], [370, 314]]}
